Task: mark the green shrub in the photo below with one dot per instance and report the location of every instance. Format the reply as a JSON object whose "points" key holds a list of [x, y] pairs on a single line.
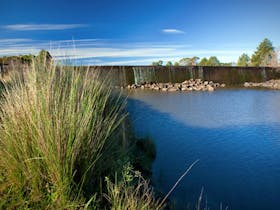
{"points": [[59, 137], [130, 191]]}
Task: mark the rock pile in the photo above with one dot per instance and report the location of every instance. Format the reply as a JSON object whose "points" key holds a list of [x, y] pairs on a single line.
{"points": [[271, 84], [188, 85]]}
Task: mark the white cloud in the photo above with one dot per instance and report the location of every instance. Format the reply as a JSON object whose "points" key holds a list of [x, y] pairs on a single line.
{"points": [[42, 27], [110, 52], [172, 31], [16, 40], [148, 52], [138, 61]]}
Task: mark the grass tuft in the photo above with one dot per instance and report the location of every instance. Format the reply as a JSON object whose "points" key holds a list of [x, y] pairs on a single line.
{"points": [[60, 136]]}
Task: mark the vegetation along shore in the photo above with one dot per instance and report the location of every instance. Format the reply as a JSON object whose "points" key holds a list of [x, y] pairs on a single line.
{"points": [[66, 143]]}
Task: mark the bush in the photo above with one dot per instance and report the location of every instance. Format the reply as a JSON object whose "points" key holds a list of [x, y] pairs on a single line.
{"points": [[59, 137], [132, 191]]}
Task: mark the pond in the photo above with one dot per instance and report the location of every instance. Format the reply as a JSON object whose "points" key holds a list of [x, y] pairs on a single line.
{"points": [[235, 134]]}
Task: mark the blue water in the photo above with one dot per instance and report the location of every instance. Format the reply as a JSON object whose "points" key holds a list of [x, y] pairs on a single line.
{"points": [[235, 133]]}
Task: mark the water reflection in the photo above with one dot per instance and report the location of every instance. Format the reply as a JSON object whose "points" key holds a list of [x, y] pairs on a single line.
{"points": [[215, 109], [234, 133]]}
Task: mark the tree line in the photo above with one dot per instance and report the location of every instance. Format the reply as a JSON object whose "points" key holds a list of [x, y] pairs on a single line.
{"points": [[265, 55]]}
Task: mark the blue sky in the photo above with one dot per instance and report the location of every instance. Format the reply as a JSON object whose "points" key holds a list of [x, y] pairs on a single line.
{"points": [[137, 32]]}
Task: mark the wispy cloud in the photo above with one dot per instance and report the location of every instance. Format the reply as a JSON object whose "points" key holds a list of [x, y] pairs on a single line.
{"points": [[137, 61], [17, 40], [42, 27], [111, 52], [172, 31]]}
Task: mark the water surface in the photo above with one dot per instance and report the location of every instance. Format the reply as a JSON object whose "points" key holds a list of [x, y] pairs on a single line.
{"points": [[235, 133]]}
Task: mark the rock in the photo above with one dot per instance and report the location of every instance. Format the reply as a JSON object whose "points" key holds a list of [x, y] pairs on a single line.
{"points": [[177, 85], [184, 86], [223, 85], [197, 85], [210, 88], [271, 84], [246, 84], [276, 86], [172, 89]]}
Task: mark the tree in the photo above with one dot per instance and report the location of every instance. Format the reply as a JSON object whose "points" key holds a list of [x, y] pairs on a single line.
{"points": [[169, 63], [203, 62], [243, 60], [194, 60], [189, 61], [27, 58], [184, 62], [157, 63], [176, 64], [213, 61], [226, 64], [44, 56], [264, 54]]}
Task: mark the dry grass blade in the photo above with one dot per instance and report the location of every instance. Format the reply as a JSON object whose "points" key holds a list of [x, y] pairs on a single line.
{"points": [[200, 199], [177, 182]]}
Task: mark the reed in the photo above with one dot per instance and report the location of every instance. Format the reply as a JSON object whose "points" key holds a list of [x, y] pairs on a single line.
{"points": [[60, 135]]}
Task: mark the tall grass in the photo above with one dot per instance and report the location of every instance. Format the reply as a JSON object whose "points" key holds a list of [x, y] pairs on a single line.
{"points": [[122, 194], [59, 137]]}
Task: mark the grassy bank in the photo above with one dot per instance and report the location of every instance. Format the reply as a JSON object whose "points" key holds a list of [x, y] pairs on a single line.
{"points": [[62, 143]]}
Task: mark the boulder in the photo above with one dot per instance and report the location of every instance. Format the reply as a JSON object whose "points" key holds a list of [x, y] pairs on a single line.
{"points": [[246, 84], [210, 88], [172, 89], [197, 85], [147, 86]]}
